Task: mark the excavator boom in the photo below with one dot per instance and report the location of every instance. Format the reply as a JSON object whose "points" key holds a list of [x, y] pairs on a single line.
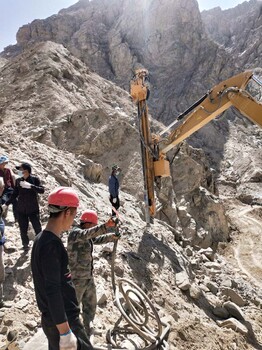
{"points": [[231, 92], [228, 93], [139, 90]]}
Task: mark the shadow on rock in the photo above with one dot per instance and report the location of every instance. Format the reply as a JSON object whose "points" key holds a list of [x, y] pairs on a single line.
{"points": [[151, 250], [251, 337], [21, 272]]}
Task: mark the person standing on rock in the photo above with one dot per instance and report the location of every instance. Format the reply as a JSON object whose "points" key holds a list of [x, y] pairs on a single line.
{"points": [[80, 251], [26, 192], [55, 292], [113, 186]]}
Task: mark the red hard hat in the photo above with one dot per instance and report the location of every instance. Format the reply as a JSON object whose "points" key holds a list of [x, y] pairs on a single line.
{"points": [[64, 197], [89, 216]]}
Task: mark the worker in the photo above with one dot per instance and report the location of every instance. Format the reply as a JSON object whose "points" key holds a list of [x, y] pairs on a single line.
{"points": [[113, 185], [9, 184], [55, 292], [80, 249], [26, 191]]}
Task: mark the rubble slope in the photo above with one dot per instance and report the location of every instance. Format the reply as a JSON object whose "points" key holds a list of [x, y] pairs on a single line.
{"points": [[71, 125]]}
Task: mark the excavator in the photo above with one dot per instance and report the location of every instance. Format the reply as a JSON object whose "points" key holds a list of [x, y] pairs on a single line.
{"points": [[235, 91]]}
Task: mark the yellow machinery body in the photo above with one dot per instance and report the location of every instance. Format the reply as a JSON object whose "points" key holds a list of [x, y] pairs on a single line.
{"points": [[231, 92], [161, 168]]}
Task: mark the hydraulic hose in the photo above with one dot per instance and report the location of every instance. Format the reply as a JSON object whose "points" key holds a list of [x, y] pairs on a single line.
{"points": [[138, 311]]}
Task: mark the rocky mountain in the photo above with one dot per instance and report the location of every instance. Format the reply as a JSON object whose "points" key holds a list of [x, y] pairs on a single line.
{"points": [[113, 37], [184, 60], [199, 262], [55, 100], [238, 30], [71, 124]]}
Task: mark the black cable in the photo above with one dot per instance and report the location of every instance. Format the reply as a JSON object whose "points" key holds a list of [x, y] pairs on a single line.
{"points": [[192, 107]]}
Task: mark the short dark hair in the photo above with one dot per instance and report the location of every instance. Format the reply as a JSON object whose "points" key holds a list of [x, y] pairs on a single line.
{"points": [[25, 166], [54, 215], [58, 213]]}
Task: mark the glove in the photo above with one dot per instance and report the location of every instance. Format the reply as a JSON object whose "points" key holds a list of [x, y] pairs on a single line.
{"points": [[68, 341], [25, 184], [111, 223], [114, 200]]}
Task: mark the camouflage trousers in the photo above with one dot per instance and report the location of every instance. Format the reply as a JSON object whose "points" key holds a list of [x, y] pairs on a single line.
{"points": [[87, 299]]}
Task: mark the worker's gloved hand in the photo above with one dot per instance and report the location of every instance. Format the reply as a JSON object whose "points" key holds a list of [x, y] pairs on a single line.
{"points": [[68, 341], [114, 200], [111, 223], [25, 184]]}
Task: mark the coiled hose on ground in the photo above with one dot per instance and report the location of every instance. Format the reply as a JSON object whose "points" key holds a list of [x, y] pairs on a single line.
{"points": [[139, 313]]}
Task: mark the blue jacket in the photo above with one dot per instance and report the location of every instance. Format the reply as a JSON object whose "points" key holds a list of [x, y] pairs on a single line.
{"points": [[113, 185], [2, 231]]}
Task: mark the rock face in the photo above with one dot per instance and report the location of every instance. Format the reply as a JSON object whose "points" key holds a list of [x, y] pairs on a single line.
{"points": [[3, 61], [113, 37], [83, 121], [200, 210], [238, 30], [94, 120], [72, 124]]}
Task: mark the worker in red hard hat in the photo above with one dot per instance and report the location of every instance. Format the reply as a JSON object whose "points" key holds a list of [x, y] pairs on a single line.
{"points": [[55, 292], [80, 248]]}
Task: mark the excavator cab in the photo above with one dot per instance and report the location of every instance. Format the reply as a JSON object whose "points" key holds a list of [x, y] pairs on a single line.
{"points": [[254, 88]]}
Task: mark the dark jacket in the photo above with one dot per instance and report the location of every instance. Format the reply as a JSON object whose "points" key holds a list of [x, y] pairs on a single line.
{"points": [[113, 185], [27, 199], [55, 292]]}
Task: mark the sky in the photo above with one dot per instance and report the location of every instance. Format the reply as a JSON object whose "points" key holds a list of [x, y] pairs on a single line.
{"points": [[224, 4], [15, 13]]}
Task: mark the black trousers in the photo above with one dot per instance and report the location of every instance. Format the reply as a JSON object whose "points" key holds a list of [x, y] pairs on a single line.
{"points": [[53, 337], [23, 221], [115, 205]]}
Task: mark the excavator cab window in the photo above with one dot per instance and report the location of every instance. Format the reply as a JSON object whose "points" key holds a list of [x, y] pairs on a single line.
{"points": [[254, 88]]}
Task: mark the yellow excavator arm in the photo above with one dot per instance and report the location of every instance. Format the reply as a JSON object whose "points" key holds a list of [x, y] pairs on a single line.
{"points": [[231, 92], [139, 90]]}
